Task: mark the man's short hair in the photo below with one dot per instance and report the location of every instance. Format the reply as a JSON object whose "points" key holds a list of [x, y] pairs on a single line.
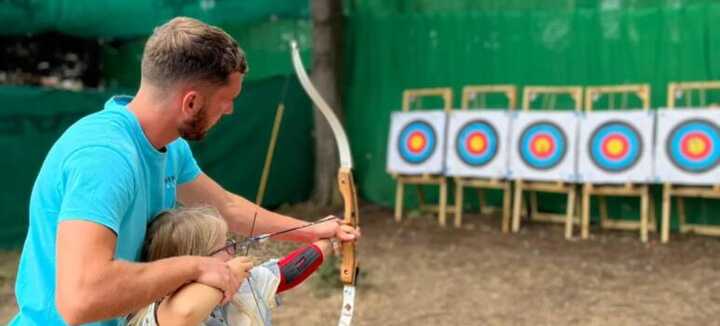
{"points": [[186, 49]]}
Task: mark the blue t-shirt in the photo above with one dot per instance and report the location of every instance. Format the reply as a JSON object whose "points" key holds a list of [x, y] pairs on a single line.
{"points": [[102, 169]]}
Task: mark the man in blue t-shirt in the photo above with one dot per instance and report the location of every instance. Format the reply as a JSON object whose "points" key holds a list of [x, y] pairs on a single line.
{"points": [[112, 171]]}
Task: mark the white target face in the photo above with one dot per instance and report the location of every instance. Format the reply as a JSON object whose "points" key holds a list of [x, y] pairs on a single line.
{"points": [[543, 146], [478, 144], [616, 147], [688, 146], [417, 142]]}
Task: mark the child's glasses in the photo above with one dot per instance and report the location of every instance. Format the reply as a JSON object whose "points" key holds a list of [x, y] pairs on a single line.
{"points": [[230, 248]]}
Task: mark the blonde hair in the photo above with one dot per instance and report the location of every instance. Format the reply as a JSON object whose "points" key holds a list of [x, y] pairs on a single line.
{"points": [[186, 49], [192, 231]]}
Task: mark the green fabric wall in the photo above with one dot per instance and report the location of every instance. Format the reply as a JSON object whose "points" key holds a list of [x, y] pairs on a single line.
{"points": [[32, 118], [392, 46], [234, 151], [132, 18], [265, 44]]}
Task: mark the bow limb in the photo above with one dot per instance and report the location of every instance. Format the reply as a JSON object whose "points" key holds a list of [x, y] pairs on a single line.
{"points": [[346, 186]]}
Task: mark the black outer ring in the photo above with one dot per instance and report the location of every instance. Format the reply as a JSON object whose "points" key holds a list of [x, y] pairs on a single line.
{"points": [[524, 133], [629, 126], [432, 148], [494, 131], [671, 135]]}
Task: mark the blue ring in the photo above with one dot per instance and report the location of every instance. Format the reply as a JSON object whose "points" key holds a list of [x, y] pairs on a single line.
{"points": [[615, 165], [684, 163], [465, 154], [560, 142], [430, 136]]}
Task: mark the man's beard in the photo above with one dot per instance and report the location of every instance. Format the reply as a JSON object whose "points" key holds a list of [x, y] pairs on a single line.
{"points": [[196, 127]]}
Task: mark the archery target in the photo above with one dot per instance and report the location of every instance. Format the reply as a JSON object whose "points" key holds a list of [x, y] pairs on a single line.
{"points": [[691, 145], [688, 147], [416, 144], [543, 146], [616, 147], [477, 144]]}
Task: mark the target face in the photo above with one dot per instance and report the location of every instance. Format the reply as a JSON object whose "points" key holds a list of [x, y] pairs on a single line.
{"points": [[417, 142], [615, 146], [692, 146], [477, 143], [542, 145]]}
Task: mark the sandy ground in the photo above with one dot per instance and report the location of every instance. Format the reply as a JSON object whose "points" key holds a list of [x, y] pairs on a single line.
{"points": [[416, 273]]}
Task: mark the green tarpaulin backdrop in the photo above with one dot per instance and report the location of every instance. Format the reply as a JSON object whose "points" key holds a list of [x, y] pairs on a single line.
{"points": [[390, 46], [396, 45]]}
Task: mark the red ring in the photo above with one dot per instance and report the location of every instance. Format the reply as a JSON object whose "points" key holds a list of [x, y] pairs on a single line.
{"points": [[685, 146], [623, 141], [540, 137]]}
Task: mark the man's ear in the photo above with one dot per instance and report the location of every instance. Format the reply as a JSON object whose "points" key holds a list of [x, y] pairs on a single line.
{"points": [[191, 103]]}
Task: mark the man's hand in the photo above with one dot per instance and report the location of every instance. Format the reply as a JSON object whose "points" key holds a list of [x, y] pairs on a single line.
{"points": [[218, 274], [335, 228]]}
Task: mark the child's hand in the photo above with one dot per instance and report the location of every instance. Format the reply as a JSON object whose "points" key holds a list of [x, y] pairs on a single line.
{"points": [[240, 266]]}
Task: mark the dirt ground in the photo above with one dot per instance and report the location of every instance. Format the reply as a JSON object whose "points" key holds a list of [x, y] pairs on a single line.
{"points": [[416, 273]]}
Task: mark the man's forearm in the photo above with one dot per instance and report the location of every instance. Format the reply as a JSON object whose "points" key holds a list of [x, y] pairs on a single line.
{"points": [[239, 215], [123, 287], [239, 212]]}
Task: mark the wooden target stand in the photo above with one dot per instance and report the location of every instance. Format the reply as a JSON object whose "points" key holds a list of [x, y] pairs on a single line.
{"points": [[647, 217], [409, 97], [469, 96], [675, 91], [570, 217]]}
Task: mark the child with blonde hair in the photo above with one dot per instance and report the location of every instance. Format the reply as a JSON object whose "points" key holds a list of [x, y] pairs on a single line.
{"points": [[200, 231]]}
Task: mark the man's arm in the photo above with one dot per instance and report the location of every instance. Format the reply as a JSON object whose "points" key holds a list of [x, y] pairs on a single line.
{"points": [[93, 286], [239, 212]]}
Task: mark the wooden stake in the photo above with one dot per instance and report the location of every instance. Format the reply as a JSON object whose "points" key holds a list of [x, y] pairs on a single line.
{"points": [[399, 200], [269, 155]]}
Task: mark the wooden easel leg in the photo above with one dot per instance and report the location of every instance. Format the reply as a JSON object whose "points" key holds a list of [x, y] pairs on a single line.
{"points": [[570, 214], [533, 205], [507, 197], [681, 214], [517, 206], [442, 209], [644, 203], [458, 202], [585, 211], [399, 189], [665, 233], [603, 210]]}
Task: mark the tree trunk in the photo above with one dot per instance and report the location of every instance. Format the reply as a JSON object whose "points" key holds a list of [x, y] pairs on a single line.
{"points": [[327, 37]]}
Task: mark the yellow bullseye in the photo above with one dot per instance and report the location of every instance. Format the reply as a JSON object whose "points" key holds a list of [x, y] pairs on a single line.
{"points": [[477, 144], [417, 142], [614, 147], [696, 145], [542, 146]]}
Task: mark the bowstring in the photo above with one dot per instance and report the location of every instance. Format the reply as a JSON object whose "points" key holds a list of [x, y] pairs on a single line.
{"points": [[252, 226], [249, 278]]}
